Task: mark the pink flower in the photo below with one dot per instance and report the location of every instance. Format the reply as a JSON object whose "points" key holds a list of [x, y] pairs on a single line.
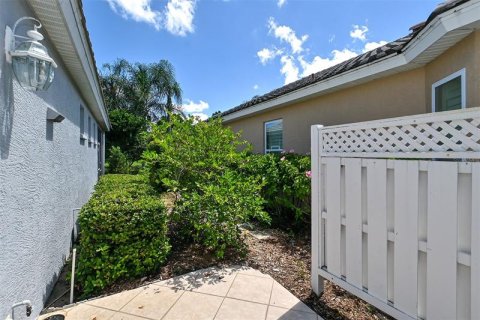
{"points": [[282, 158], [308, 174]]}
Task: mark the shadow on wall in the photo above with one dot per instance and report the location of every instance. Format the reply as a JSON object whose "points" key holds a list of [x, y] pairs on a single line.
{"points": [[6, 108], [19, 312], [51, 284]]}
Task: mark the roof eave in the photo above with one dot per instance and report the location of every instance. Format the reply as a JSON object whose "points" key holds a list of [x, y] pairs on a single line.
{"points": [[64, 23]]}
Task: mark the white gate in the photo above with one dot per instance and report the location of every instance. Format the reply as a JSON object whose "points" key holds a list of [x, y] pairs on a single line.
{"points": [[395, 219]]}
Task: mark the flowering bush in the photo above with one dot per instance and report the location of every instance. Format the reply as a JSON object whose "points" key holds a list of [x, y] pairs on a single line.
{"points": [[286, 187]]}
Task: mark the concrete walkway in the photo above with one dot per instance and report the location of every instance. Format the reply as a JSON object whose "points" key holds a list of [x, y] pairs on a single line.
{"points": [[229, 293]]}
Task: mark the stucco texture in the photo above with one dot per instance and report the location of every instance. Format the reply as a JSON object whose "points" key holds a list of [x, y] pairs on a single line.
{"points": [[402, 94], [45, 172]]}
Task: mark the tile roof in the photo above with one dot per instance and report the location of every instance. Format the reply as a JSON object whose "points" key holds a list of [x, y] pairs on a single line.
{"points": [[388, 50]]}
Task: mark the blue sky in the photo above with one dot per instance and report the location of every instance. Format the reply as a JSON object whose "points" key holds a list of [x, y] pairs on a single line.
{"points": [[227, 51]]}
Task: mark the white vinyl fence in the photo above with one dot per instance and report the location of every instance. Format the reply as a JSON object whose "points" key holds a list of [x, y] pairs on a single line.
{"points": [[396, 213]]}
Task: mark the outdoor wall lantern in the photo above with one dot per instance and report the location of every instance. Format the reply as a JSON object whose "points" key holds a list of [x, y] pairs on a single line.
{"points": [[32, 66]]}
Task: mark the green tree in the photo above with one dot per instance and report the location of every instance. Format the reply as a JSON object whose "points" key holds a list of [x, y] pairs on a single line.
{"points": [[128, 132], [136, 94]]}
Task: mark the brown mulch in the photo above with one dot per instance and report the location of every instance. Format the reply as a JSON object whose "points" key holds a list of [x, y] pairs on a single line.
{"points": [[283, 256], [287, 259]]}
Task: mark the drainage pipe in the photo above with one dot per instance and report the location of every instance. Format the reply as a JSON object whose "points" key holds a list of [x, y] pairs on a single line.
{"points": [[72, 280]]}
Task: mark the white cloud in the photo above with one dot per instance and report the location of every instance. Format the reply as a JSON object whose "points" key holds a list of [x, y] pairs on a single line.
{"points": [[200, 115], [293, 59], [286, 34], [289, 69], [343, 55], [138, 10], [359, 32], [373, 45], [179, 16], [196, 109], [266, 55], [280, 3], [318, 63], [255, 87], [192, 107]]}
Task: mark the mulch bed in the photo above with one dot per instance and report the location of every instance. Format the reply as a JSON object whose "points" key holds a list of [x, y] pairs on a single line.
{"points": [[287, 259], [284, 256]]}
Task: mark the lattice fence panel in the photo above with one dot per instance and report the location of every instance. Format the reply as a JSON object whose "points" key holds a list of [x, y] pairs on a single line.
{"points": [[440, 134]]}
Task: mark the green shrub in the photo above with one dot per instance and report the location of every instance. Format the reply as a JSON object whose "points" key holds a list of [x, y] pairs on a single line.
{"points": [[182, 153], [123, 232], [202, 162], [286, 187], [117, 161], [213, 211]]}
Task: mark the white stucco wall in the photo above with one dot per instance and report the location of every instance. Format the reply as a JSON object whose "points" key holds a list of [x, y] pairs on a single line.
{"points": [[45, 172]]}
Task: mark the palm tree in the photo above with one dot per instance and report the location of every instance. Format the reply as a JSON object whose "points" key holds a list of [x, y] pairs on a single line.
{"points": [[114, 80], [147, 90]]}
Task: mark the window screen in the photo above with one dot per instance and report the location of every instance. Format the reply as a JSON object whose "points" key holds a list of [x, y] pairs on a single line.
{"points": [[274, 136], [448, 96]]}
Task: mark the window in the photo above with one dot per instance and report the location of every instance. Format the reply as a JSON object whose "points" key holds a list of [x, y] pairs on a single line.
{"points": [[89, 131], [94, 134], [449, 93], [274, 136], [82, 120]]}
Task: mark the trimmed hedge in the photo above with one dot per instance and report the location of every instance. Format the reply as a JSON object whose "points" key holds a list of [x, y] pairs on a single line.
{"points": [[123, 232]]}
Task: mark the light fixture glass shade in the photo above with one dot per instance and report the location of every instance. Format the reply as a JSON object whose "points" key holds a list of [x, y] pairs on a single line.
{"points": [[32, 66]]}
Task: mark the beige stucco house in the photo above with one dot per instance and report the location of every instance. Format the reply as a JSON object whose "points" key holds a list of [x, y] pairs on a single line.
{"points": [[434, 68]]}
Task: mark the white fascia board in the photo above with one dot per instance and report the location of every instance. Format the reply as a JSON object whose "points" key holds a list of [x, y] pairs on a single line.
{"points": [[465, 15], [73, 20]]}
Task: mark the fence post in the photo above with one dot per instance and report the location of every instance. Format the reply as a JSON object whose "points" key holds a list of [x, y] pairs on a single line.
{"points": [[317, 235]]}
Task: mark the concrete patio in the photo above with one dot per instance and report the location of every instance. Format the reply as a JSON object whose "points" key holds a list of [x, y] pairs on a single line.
{"points": [[229, 294]]}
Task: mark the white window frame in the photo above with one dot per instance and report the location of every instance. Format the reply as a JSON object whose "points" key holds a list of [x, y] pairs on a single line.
{"points": [[463, 82], [265, 136], [83, 136]]}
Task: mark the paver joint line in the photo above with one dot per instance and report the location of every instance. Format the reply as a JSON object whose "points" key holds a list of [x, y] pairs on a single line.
{"points": [[269, 299], [89, 302], [183, 292], [223, 300]]}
